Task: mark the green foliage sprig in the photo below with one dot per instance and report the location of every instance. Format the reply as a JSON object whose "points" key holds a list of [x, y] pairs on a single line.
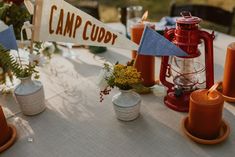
{"points": [[11, 63]]}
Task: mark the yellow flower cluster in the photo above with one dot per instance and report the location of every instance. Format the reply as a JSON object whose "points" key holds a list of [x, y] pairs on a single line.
{"points": [[125, 75]]}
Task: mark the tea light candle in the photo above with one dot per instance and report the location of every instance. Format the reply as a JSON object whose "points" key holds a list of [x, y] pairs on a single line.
{"points": [[144, 64], [205, 113]]}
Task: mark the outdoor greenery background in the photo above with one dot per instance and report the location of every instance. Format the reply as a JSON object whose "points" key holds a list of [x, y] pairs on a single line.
{"points": [[159, 8]]}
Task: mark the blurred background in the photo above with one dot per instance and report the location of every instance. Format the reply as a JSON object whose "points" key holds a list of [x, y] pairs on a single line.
{"points": [[156, 8], [108, 9]]}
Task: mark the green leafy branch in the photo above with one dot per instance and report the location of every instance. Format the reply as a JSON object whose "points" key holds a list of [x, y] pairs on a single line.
{"points": [[11, 63]]}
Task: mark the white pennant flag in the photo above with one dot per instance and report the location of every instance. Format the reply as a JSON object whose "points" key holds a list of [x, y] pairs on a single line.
{"points": [[29, 5], [57, 20]]}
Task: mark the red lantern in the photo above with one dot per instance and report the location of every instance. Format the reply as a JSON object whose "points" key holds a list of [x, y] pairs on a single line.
{"points": [[182, 75]]}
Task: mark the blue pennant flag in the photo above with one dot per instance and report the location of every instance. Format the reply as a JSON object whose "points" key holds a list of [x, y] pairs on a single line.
{"points": [[154, 44], [8, 39]]}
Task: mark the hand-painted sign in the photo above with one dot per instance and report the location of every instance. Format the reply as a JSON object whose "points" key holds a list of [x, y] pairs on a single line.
{"points": [[57, 20]]}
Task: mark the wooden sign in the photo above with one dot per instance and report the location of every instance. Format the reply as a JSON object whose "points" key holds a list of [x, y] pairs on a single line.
{"points": [[57, 20]]}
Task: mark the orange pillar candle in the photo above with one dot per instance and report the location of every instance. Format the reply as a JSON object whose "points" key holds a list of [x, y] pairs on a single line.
{"points": [[144, 64], [229, 72], [205, 114]]}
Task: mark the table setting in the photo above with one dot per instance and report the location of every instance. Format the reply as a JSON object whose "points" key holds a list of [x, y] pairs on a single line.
{"points": [[131, 88]]}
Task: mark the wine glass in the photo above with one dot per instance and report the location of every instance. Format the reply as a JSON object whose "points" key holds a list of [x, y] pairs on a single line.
{"points": [[70, 53]]}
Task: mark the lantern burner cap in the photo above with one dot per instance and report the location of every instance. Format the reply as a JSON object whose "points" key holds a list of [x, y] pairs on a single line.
{"points": [[187, 18], [185, 83]]}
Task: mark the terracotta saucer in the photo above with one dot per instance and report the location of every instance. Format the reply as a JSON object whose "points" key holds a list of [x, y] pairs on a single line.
{"points": [[224, 132], [11, 140], [226, 98]]}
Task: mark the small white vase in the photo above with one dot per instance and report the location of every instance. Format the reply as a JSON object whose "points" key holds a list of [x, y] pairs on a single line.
{"points": [[30, 96], [126, 105]]}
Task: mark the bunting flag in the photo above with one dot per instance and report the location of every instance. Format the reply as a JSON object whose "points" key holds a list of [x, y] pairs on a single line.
{"points": [[8, 39], [154, 44], [57, 20]]}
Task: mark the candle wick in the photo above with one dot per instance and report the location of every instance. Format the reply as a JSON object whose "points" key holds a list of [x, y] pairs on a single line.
{"points": [[213, 88]]}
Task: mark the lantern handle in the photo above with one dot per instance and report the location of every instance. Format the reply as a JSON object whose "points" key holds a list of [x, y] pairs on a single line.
{"points": [[209, 61], [186, 14]]}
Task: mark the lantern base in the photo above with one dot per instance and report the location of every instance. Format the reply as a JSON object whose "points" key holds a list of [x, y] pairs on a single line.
{"points": [[179, 103]]}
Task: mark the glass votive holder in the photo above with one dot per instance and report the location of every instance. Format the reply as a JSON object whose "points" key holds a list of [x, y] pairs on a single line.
{"points": [[122, 15], [133, 16]]}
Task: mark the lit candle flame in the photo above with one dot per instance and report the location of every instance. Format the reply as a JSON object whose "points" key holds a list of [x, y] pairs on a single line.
{"points": [[213, 88], [145, 16]]}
